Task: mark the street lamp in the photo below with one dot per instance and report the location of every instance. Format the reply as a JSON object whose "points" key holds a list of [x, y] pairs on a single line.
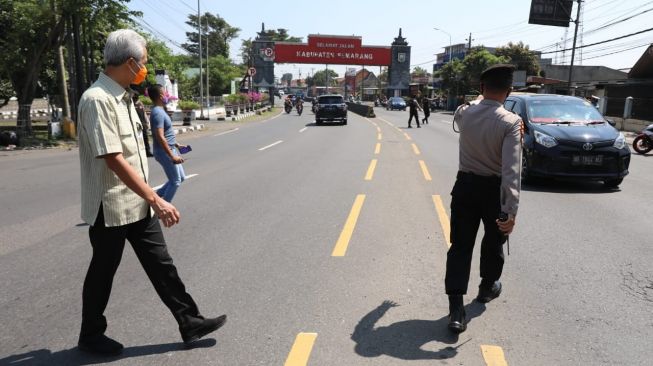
{"points": [[450, 55], [447, 33]]}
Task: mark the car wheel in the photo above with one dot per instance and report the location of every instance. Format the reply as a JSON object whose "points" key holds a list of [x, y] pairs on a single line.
{"points": [[344, 121], [318, 122], [612, 183]]}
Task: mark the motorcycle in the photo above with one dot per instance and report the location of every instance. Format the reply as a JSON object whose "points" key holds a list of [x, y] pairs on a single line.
{"points": [[300, 108], [287, 106], [643, 143], [314, 107]]}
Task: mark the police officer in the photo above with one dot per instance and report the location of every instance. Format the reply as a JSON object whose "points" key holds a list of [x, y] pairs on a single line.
{"points": [[487, 186], [413, 106]]}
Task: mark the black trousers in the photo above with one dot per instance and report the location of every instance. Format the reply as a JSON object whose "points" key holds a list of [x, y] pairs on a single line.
{"points": [[146, 238], [413, 114], [475, 199]]}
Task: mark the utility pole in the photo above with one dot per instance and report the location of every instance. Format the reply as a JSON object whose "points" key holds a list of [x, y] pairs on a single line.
{"points": [[61, 70], [199, 30], [208, 93], [573, 48], [469, 42]]}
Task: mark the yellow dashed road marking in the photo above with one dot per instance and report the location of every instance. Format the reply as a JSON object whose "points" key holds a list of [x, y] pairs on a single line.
{"points": [[301, 349], [425, 170], [444, 219], [377, 149], [493, 355], [370, 170], [416, 150], [348, 230]]}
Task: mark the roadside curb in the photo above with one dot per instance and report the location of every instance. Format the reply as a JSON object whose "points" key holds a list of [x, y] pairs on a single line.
{"points": [[187, 129]]}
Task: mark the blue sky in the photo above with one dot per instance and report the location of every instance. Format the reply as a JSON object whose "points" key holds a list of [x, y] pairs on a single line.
{"points": [[492, 23]]}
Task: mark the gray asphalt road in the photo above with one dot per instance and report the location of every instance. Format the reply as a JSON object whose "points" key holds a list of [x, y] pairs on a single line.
{"points": [[260, 222]]}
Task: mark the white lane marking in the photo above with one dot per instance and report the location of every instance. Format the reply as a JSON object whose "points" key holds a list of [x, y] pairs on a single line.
{"points": [[271, 145], [187, 178], [303, 129], [270, 119], [226, 132]]}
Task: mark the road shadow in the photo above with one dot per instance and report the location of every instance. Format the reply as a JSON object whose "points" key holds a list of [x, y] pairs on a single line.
{"points": [[405, 339], [82, 224], [567, 186], [325, 124], [74, 357]]}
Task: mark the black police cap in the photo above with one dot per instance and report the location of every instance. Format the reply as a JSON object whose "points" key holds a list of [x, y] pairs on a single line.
{"points": [[498, 70]]}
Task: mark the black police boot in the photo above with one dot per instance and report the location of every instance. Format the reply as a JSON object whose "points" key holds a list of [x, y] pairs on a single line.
{"points": [[457, 321], [200, 328], [100, 345], [488, 291]]}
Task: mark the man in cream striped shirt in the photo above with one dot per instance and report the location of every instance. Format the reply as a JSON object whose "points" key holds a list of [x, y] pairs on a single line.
{"points": [[119, 204]]}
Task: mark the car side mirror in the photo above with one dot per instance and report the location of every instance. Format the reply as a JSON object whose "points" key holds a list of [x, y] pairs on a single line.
{"points": [[612, 122]]}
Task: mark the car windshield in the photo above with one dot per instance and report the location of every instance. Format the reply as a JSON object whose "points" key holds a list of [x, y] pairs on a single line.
{"points": [[396, 100], [331, 100], [563, 111]]}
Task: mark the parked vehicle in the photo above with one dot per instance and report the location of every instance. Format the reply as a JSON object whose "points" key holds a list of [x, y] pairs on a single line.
{"points": [[643, 143], [396, 103], [566, 137], [330, 108], [314, 105]]}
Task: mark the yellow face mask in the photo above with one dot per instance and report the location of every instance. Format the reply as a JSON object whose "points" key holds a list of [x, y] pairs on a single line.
{"points": [[139, 76]]}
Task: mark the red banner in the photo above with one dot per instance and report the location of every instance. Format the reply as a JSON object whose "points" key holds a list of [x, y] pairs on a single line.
{"points": [[333, 50]]}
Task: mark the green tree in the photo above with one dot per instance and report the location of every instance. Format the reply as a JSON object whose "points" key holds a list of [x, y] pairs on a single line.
{"points": [[320, 77], [286, 78], [221, 72], [476, 61], [220, 33], [32, 30], [6, 91], [420, 71], [454, 80], [521, 56], [277, 35]]}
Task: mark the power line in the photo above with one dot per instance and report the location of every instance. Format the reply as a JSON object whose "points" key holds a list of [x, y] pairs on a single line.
{"points": [[144, 24], [625, 13], [615, 52], [159, 12], [601, 42], [188, 6]]}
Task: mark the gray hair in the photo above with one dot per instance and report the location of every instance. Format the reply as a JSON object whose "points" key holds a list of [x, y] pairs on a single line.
{"points": [[122, 45]]}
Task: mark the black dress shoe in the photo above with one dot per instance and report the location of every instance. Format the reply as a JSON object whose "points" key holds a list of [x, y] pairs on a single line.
{"points": [[457, 321], [488, 293], [204, 327], [100, 345]]}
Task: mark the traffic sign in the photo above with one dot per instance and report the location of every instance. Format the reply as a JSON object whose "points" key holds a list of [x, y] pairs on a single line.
{"points": [[251, 71]]}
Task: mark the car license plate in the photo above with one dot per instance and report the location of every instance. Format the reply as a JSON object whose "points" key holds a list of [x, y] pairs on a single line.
{"points": [[587, 160]]}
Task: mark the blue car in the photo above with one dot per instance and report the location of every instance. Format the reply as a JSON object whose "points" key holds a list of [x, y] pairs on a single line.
{"points": [[396, 103]]}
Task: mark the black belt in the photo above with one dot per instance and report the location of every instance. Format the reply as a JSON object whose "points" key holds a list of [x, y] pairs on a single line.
{"points": [[475, 178]]}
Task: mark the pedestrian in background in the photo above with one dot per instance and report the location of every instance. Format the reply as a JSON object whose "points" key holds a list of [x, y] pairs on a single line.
{"points": [[166, 148], [145, 122], [487, 187], [413, 106], [426, 106], [117, 201]]}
